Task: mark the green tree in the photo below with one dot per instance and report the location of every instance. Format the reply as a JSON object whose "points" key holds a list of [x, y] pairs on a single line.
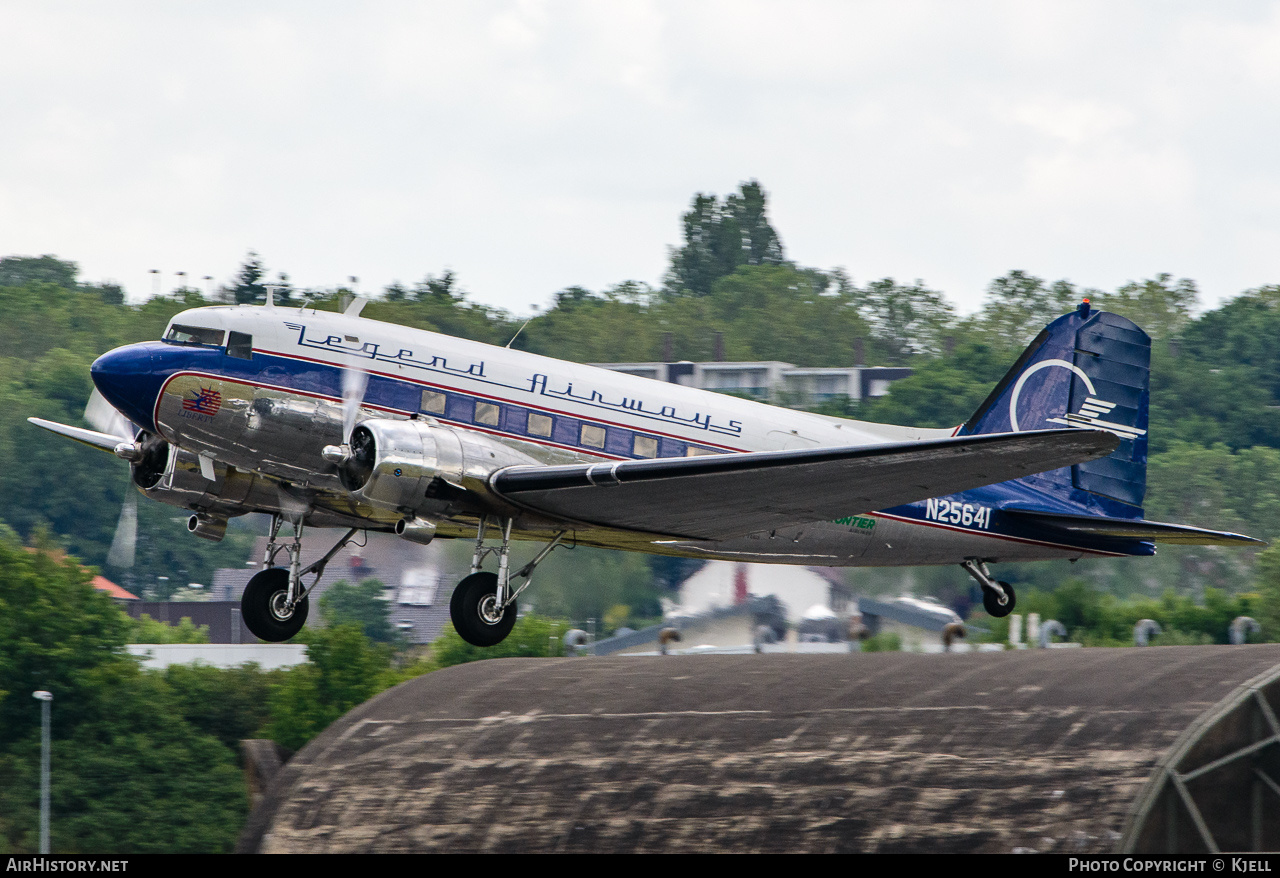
{"points": [[344, 670], [1267, 586], [719, 237], [148, 630], [906, 320], [1019, 305], [1161, 306], [248, 288], [130, 773], [16, 271], [942, 392], [531, 636], [364, 605]]}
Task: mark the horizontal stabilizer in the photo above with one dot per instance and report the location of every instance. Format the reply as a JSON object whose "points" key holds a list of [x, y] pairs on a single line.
{"points": [[92, 438], [1131, 529], [728, 495]]}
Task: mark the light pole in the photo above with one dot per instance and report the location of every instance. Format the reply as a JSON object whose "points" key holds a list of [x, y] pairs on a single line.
{"points": [[45, 699], [155, 287]]}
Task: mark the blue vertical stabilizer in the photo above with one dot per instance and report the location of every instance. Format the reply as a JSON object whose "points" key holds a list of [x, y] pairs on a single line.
{"points": [[1089, 369]]}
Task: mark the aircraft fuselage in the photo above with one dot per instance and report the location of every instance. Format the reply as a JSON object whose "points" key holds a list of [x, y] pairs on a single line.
{"points": [[261, 406]]}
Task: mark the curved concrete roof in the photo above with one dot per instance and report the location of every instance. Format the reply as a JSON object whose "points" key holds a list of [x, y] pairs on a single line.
{"points": [[1047, 750]]}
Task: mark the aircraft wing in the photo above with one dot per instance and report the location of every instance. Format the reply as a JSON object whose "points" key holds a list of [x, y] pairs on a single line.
{"points": [[728, 495]]}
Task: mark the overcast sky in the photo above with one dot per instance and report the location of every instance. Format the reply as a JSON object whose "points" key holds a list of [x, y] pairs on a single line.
{"points": [[530, 146]]}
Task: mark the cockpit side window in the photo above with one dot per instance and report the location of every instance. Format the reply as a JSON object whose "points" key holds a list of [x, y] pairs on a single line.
{"points": [[240, 345], [194, 335]]}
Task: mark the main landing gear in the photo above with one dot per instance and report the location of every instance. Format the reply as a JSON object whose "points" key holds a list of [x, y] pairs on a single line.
{"points": [[483, 607], [274, 606], [997, 597]]}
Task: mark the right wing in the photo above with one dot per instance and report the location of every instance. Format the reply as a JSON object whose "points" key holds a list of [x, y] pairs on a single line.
{"points": [[729, 495]]}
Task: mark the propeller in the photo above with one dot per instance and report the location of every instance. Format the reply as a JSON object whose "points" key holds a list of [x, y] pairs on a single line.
{"points": [[103, 417], [355, 381]]}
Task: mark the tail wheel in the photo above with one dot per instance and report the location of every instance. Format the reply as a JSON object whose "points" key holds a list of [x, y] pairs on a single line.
{"points": [[991, 601], [265, 606], [475, 613]]}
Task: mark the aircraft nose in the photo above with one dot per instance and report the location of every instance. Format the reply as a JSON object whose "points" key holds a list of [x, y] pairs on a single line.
{"points": [[129, 361], [124, 377]]}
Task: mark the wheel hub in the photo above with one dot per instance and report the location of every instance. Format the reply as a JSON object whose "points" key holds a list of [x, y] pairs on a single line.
{"points": [[280, 609], [490, 612]]}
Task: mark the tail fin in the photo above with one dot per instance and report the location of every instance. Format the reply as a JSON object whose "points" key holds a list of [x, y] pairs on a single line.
{"points": [[1088, 369]]}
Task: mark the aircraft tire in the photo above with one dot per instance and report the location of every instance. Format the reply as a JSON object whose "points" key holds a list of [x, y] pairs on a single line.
{"points": [[992, 604], [260, 606], [466, 608]]}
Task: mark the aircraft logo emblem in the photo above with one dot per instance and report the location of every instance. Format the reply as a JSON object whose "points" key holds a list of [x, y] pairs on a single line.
{"points": [[1092, 410], [205, 402]]}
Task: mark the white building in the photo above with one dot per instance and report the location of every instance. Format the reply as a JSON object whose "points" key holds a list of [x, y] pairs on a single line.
{"points": [[727, 583]]}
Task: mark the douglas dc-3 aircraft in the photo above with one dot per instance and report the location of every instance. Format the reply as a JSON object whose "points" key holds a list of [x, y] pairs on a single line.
{"points": [[328, 419]]}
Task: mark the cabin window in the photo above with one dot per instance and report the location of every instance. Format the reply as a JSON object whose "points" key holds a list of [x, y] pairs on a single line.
{"points": [[695, 451], [592, 436], [645, 446], [487, 414], [194, 335], [240, 345], [539, 425], [433, 402]]}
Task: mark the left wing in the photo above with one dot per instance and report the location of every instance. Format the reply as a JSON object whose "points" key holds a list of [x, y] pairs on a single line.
{"points": [[730, 495]]}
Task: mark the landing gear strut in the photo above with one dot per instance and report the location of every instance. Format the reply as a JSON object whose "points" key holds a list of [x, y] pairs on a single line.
{"points": [[998, 598], [274, 606], [483, 607]]}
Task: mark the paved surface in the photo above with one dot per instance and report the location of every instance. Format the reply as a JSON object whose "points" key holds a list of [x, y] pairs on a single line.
{"points": [[987, 752]]}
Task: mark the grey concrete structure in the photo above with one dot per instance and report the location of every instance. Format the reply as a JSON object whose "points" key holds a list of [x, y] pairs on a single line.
{"points": [[1047, 750]]}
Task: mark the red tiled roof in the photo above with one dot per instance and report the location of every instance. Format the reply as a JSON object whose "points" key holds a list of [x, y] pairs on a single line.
{"points": [[101, 583]]}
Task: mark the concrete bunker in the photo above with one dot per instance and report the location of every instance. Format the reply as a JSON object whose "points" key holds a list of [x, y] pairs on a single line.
{"points": [[1069, 751]]}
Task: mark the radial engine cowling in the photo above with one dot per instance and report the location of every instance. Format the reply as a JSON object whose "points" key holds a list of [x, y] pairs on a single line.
{"points": [[392, 462]]}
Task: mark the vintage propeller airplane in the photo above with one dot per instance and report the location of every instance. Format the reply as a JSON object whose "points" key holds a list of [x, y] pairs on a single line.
{"points": [[327, 419]]}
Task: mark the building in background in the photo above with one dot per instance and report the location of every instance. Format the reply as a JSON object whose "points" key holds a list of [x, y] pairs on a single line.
{"points": [[771, 380], [413, 577]]}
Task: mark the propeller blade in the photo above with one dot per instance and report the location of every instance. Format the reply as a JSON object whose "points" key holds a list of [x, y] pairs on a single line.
{"points": [[104, 418], [125, 542], [354, 382]]}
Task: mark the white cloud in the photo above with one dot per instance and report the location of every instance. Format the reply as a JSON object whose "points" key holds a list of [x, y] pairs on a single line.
{"points": [[533, 145]]}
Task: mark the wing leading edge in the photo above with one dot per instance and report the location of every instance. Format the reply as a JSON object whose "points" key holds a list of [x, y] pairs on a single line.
{"points": [[731, 495]]}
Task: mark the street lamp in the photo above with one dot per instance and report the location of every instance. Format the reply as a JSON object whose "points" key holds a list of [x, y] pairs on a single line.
{"points": [[155, 287], [45, 699]]}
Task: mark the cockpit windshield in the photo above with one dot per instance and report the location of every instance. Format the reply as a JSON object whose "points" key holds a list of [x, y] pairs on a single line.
{"points": [[194, 335]]}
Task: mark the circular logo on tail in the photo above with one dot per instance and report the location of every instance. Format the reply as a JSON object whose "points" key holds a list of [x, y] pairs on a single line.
{"points": [[1017, 388]]}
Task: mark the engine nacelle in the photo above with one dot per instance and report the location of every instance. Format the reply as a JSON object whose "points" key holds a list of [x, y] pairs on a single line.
{"points": [[417, 467], [173, 476], [393, 462]]}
